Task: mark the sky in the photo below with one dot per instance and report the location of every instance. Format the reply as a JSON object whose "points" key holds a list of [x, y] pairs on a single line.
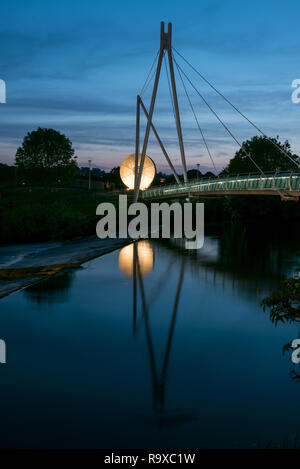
{"points": [[77, 66]]}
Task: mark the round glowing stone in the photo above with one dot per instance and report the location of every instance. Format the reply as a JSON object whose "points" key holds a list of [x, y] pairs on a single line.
{"points": [[127, 171]]}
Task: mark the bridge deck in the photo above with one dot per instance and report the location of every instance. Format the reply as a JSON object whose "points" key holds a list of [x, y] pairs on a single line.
{"points": [[284, 184]]}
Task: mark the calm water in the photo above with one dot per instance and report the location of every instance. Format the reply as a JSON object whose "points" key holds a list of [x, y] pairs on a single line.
{"points": [[182, 357]]}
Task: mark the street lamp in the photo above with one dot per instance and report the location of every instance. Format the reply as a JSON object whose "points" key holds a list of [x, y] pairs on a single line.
{"points": [[198, 164], [89, 174]]}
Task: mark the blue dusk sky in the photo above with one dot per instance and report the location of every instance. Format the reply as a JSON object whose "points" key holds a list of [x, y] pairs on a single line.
{"points": [[77, 66]]}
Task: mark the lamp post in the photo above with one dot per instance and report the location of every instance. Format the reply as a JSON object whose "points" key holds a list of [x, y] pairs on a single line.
{"points": [[89, 174], [198, 164]]}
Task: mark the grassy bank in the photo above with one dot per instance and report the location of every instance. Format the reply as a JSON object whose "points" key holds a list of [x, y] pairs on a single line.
{"points": [[45, 215], [53, 215]]}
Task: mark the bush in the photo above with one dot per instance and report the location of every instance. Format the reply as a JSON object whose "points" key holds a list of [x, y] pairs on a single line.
{"points": [[32, 217]]}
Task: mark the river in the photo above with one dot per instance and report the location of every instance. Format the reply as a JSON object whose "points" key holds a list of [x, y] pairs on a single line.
{"points": [[171, 351]]}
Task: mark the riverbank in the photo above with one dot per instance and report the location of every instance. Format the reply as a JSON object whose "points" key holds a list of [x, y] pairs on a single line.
{"points": [[70, 255], [45, 215], [38, 215]]}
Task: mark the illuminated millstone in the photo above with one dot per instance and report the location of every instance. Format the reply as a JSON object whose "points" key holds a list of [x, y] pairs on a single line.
{"points": [[127, 171], [145, 258]]}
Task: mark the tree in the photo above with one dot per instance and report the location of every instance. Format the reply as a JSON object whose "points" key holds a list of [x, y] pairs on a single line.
{"points": [[46, 156], [284, 304], [163, 178], [194, 174], [209, 174], [265, 154], [7, 173], [114, 177]]}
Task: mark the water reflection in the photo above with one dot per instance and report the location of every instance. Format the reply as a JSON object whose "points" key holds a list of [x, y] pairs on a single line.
{"points": [[283, 306], [54, 289], [233, 257], [250, 260], [158, 377], [137, 262], [145, 254], [181, 343]]}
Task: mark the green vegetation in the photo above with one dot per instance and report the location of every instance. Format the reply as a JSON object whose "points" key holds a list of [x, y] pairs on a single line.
{"points": [[46, 215], [241, 209], [53, 201], [284, 304], [265, 153], [7, 174], [38, 210], [45, 156]]}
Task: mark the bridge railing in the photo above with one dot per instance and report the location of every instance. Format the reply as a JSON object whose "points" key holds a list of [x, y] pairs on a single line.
{"points": [[283, 180]]}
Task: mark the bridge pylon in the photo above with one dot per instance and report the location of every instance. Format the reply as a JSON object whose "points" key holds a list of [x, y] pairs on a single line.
{"points": [[165, 45]]}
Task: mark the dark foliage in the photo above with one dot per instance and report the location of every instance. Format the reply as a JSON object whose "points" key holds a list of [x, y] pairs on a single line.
{"points": [[45, 156], [266, 155], [284, 304]]}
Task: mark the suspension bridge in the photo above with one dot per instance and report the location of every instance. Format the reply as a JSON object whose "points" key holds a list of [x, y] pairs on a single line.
{"points": [[285, 184]]}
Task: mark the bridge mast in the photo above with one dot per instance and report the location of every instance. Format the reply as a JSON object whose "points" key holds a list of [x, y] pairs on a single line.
{"points": [[177, 115], [165, 44]]}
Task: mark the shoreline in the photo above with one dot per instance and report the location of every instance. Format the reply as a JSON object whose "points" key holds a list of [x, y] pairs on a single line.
{"points": [[70, 255]]}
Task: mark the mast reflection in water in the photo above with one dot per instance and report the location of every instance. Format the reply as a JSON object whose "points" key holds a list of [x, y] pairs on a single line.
{"points": [[136, 261], [154, 346]]}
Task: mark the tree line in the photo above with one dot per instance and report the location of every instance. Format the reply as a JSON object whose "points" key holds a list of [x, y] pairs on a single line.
{"points": [[47, 156]]}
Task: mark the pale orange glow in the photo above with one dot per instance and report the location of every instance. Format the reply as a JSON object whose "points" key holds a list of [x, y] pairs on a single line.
{"points": [[145, 258], [127, 171]]}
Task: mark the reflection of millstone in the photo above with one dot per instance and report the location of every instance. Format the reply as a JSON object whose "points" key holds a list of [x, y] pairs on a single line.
{"points": [[127, 171], [145, 258]]}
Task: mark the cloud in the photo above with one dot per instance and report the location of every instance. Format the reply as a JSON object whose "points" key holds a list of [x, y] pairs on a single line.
{"points": [[78, 67]]}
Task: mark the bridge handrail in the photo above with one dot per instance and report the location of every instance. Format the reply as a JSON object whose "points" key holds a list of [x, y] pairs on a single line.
{"points": [[219, 179]]}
